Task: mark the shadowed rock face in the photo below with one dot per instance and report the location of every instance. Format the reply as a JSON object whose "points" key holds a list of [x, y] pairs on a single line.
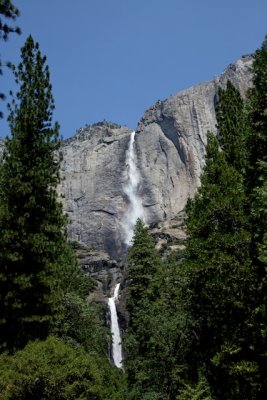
{"points": [[93, 171]]}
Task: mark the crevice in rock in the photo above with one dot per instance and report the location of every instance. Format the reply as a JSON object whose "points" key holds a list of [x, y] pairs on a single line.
{"points": [[149, 205], [161, 143], [168, 128], [103, 211]]}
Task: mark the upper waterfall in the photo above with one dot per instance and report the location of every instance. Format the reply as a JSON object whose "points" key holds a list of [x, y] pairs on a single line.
{"points": [[135, 209], [171, 138]]}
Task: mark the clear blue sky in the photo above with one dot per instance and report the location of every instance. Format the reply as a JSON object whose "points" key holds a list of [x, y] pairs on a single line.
{"points": [[112, 59]]}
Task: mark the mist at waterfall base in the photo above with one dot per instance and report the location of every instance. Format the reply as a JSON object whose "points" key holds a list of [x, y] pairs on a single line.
{"points": [[135, 209], [115, 329]]}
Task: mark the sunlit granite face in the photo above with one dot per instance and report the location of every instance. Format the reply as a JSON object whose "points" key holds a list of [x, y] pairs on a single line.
{"points": [[170, 149]]}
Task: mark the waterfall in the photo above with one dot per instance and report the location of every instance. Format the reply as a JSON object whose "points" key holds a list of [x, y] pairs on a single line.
{"points": [[135, 210], [115, 330]]}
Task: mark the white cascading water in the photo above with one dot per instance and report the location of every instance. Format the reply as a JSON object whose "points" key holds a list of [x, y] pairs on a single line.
{"points": [[115, 329], [135, 210]]}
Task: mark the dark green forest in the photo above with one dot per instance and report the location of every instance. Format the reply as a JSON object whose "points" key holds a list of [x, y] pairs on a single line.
{"points": [[197, 326]]}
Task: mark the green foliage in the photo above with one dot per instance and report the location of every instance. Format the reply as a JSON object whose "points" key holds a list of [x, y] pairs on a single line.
{"points": [[222, 286], [232, 126], [37, 265], [143, 262], [226, 264], [258, 112], [54, 370], [198, 391], [83, 323], [257, 172], [156, 337], [143, 265], [219, 204], [7, 12], [257, 194]]}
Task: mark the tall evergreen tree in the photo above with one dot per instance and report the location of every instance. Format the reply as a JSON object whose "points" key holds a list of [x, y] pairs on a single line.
{"points": [[258, 115], [232, 126], [158, 364], [35, 258], [225, 270], [257, 143], [143, 276], [221, 285], [143, 263], [257, 192]]}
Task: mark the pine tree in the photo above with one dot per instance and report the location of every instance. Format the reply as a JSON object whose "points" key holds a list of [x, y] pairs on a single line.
{"points": [[143, 280], [232, 126], [258, 114], [157, 338], [220, 283], [257, 194], [36, 261], [143, 263], [257, 143]]}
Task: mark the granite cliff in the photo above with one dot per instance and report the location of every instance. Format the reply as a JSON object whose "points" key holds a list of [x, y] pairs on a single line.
{"points": [[170, 148], [169, 154]]}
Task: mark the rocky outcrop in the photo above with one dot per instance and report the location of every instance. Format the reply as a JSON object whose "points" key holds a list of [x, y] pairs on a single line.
{"points": [[101, 268], [171, 139], [170, 236]]}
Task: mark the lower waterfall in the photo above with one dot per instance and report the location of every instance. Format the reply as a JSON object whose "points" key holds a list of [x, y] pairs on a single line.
{"points": [[115, 329]]}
